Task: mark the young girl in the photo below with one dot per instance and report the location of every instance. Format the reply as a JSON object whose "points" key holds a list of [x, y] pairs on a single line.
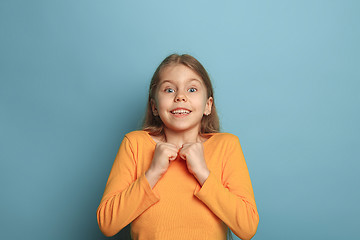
{"points": [[179, 178]]}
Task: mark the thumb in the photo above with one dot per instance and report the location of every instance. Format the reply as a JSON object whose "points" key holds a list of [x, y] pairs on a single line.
{"points": [[173, 157], [181, 154]]}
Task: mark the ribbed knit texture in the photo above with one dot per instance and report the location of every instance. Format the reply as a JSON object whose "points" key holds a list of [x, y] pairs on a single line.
{"points": [[178, 207]]}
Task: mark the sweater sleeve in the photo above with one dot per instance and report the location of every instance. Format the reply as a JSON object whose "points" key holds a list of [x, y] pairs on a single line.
{"points": [[232, 198], [125, 196]]}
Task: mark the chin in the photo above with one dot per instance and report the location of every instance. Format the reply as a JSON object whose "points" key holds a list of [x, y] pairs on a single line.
{"points": [[181, 128]]}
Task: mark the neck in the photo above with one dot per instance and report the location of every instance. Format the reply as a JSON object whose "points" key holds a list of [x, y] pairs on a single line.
{"points": [[180, 138]]}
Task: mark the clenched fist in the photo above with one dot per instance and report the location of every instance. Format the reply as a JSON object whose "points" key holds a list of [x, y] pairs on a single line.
{"points": [[164, 154], [193, 154]]}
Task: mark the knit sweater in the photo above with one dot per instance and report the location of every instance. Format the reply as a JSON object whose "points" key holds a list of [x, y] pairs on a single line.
{"points": [[178, 207]]}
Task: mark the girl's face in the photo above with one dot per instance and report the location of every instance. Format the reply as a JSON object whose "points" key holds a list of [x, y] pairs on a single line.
{"points": [[181, 99]]}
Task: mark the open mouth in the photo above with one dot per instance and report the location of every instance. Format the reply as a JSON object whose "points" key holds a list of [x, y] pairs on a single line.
{"points": [[180, 111]]}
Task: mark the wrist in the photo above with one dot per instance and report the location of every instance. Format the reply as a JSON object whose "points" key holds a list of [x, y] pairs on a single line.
{"points": [[152, 177], [202, 176]]}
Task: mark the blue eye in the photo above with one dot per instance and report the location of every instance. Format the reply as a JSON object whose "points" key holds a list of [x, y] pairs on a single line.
{"points": [[169, 90], [192, 90]]}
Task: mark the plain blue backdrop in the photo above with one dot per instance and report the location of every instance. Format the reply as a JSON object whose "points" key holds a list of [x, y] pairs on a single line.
{"points": [[74, 77]]}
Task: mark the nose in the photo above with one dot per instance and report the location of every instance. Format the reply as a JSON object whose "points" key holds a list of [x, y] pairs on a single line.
{"points": [[180, 97]]}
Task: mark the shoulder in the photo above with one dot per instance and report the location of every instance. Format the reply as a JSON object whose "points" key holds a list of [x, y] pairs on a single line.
{"points": [[225, 141], [136, 134], [138, 137], [225, 137]]}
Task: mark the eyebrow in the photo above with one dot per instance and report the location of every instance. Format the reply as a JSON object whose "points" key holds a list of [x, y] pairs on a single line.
{"points": [[189, 80]]}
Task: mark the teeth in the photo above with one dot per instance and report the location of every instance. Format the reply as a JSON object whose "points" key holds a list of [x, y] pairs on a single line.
{"points": [[180, 111]]}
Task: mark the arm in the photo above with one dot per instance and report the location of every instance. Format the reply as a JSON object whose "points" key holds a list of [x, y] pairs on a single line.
{"points": [[232, 198], [125, 197]]}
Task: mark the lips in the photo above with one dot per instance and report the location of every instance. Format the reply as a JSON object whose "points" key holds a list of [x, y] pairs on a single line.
{"points": [[180, 111]]}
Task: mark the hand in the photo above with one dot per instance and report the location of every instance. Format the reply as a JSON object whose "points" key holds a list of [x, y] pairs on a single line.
{"points": [[193, 153], [164, 154]]}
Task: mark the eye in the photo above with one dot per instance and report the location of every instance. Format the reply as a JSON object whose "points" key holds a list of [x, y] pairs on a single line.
{"points": [[192, 90], [169, 90]]}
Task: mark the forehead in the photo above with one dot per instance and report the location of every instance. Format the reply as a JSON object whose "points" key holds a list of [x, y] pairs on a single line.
{"points": [[179, 73]]}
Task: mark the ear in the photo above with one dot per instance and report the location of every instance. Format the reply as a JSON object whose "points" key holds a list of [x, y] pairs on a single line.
{"points": [[153, 107], [208, 106]]}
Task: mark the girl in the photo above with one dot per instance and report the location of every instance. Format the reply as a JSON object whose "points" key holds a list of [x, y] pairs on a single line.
{"points": [[179, 178]]}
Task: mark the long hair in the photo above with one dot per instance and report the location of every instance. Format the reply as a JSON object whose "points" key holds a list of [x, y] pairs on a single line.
{"points": [[153, 124]]}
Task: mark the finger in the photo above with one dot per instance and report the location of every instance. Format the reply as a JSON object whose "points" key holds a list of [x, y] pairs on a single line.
{"points": [[186, 145], [172, 155], [182, 154], [172, 147]]}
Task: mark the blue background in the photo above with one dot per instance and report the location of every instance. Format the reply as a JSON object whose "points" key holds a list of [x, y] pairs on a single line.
{"points": [[74, 79]]}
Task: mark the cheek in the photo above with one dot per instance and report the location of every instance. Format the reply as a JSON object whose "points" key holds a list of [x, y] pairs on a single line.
{"points": [[204, 101], [163, 102], [199, 103]]}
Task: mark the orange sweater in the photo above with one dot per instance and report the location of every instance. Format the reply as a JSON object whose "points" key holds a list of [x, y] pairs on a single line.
{"points": [[178, 207]]}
